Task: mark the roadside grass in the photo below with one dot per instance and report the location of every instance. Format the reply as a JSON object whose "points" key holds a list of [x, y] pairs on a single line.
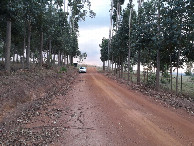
{"points": [[187, 85], [187, 82], [63, 69]]}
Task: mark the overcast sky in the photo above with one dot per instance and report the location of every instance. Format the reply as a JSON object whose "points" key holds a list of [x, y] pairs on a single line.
{"points": [[92, 30]]}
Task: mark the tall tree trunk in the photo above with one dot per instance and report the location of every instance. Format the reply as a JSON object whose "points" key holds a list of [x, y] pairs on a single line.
{"points": [[147, 75], [122, 67], [4, 52], [41, 48], [116, 65], [119, 66], [112, 62], [17, 58], [62, 58], [115, 68], [103, 66], [24, 49], [170, 72], [118, 15], [13, 58], [22, 61], [47, 55], [158, 71], [158, 53], [33, 59], [177, 74], [139, 50], [138, 67], [65, 58], [28, 46], [129, 47], [64, 5], [8, 47], [59, 58], [71, 59], [50, 53], [54, 59], [110, 29]]}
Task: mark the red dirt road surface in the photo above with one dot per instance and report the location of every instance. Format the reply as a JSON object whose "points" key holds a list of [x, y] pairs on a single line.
{"points": [[103, 113]]}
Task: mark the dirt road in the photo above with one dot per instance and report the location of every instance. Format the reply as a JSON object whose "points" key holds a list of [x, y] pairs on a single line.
{"points": [[93, 110], [101, 112]]}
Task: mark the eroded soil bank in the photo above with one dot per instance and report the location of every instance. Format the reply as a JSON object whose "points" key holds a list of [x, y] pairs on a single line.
{"points": [[23, 95]]}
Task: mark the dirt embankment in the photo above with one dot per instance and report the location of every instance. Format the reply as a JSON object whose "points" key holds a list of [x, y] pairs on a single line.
{"points": [[23, 94], [24, 86]]}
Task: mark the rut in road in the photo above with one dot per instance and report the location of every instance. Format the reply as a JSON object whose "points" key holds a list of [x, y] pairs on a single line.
{"points": [[105, 113]]}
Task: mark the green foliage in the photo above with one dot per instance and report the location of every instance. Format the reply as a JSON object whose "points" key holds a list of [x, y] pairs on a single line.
{"points": [[189, 66], [47, 17], [170, 33], [63, 69], [1, 49], [104, 49], [166, 74], [188, 73], [151, 80], [164, 80], [81, 56]]}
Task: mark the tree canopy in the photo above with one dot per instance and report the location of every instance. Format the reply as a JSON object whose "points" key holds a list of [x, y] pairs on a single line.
{"points": [[174, 39], [39, 26]]}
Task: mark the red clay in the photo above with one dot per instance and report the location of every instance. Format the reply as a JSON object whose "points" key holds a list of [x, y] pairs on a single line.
{"points": [[101, 112]]}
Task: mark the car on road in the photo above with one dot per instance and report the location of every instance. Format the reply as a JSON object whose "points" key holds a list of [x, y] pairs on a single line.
{"points": [[82, 69]]}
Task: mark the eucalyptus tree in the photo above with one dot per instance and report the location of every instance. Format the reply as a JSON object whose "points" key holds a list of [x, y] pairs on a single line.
{"points": [[158, 52], [189, 28], [110, 33], [104, 51], [2, 37], [79, 10], [69, 32], [139, 48], [32, 14], [117, 11], [41, 26], [41, 22], [123, 39], [129, 43], [174, 40], [29, 12], [115, 16], [8, 11], [152, 35], [81, 56], [62, 35], [120, 41], [55, 25], [161, 36], [17, 38]]}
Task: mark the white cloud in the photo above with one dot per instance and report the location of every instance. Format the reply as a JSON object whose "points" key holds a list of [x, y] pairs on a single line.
{"points": [[89, 41], [93, 30]]}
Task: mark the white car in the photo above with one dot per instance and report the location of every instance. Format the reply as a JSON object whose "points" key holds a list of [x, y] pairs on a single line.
{"points": [[82, 69]]}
